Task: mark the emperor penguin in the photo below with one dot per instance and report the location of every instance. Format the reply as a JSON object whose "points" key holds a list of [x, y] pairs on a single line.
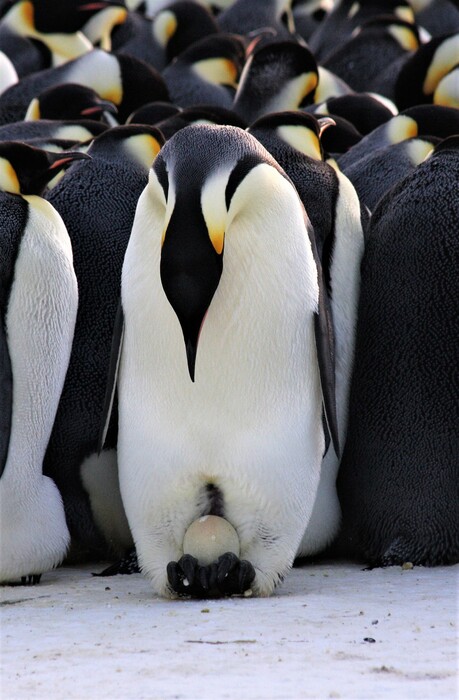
{"points": [[97, 205], [364, 110], [124, 80], [381, 169], [421, 120], [243, 17], [38, 305], [75, 130], [340, 223], [207, 72], [377, 43], [346, 17], [278, 76], [172, 30], [418, 80], [69, 101], [399, 476], [224, 366], [8, 74]]}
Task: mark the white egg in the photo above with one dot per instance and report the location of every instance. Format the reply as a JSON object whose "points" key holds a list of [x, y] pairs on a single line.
{"points": [[209, 537]]}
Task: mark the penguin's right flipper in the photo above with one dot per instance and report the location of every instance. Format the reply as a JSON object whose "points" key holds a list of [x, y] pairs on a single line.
{"points": [[117, 343], [6, 397], [325, 344]]}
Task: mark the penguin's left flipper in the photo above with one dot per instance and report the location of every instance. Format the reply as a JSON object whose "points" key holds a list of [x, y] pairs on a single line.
{"points": [[117, 343], [6, 397], [228, 576], [127, 565], [325, 344]]}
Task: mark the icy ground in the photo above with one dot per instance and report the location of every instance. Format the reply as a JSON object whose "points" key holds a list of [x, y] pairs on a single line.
{"points": [[332, 630]]}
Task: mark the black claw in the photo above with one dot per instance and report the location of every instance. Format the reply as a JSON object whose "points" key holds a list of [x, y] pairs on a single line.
{"points": [[228, 576], [189, 567], [246, 575], [226, 564], [30, 580]]}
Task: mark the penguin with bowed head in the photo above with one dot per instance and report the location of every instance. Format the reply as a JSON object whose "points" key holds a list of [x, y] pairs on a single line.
{"points": [[124, 80], [339, 223], [278, 76], [38, 305], [220, 400], [207, 72], [97, 205], [399, 476]]}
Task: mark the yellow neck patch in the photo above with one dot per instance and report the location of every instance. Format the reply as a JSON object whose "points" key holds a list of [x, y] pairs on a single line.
{"points": [[220, 71], [444, 59], [144, 148], [164, 27], [302, 139], [9, 181]]}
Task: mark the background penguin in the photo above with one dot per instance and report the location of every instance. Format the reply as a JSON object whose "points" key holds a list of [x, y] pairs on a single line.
{"points": [[399, 476], [201, 114], [279, 76], [363, 110], [373, 46], [124, 80], [97, 206], [421, 120], [339, 224], [232, 427], [419, 77], [436, 16], [380, 170], [152, 113], [63, 46], [69, 101], [8, 74], [76, 130], [172, 30], [307, 15], [38, 304], [207, 72], [243, 17], [338, 26]]}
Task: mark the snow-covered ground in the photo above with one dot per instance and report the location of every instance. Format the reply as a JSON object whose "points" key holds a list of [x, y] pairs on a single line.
{"points": [[331, 631]]}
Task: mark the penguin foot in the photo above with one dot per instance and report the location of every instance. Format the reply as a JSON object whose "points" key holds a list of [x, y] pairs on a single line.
{"points": [[31, 580], [127, 565], [228, 576]]}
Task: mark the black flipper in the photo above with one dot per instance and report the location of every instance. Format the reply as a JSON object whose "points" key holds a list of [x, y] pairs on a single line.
{"points": [[117, 343], [325, 344], [6, 397]]}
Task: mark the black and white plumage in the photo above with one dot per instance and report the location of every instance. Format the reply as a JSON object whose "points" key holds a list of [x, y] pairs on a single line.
{"points": [[97, 205], [399, 476], [339, 224], [220, 402], [38, 304], [124, 80]]}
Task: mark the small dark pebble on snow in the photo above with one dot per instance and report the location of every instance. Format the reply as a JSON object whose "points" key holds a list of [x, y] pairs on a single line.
{"points": [[369, 639]]}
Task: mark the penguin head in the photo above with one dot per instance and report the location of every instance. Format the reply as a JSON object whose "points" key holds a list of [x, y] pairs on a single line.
{"points": [[26, 170], [192, 188], [300, 130], [68, 101]]}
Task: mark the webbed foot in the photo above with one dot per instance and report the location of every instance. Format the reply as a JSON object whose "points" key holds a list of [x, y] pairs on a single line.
{"points": [[31, 580], [228, 576], [127, 565]]}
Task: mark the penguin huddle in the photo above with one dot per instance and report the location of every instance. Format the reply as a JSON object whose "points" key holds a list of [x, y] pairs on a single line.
{"points": [[228, 286]]}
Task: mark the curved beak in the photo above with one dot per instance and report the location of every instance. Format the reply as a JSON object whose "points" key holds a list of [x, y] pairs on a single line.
{"points": [[190, 271]]}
